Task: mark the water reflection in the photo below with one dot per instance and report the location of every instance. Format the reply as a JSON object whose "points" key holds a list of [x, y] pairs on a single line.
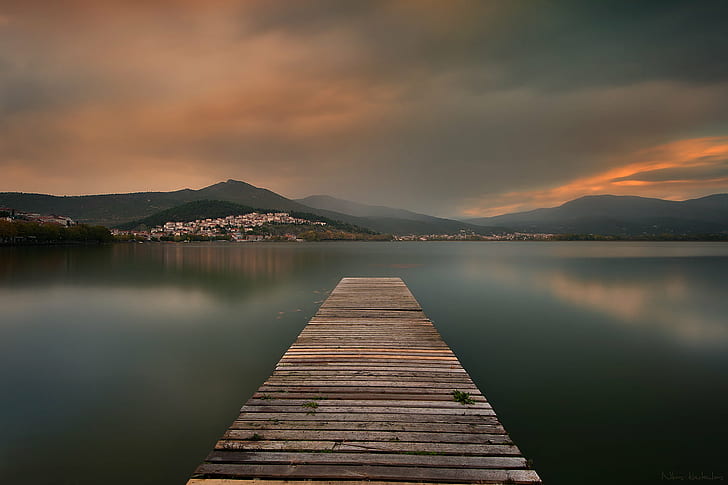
{"points": [[256, 261], [223, 270], [578, 346], [163, 304], [679, 301], [154, 346]]}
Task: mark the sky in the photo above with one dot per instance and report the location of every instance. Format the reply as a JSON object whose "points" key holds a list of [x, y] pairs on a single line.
{"points": [[455, 108]]}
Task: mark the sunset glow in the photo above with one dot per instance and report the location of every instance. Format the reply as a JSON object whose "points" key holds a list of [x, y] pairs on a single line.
{"points": [[691, 157]]}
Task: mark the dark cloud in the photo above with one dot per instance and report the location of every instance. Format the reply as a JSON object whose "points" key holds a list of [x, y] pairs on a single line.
{"points": [[425, 104], [572, 44], [537, 43]]}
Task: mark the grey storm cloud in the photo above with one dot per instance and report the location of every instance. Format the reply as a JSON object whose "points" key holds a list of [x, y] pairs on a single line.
{"points": [[552, 45]]}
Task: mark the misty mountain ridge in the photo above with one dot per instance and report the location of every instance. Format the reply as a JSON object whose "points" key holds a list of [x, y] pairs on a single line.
{"points": [[358, 209], [393, 220], [621, 215]]}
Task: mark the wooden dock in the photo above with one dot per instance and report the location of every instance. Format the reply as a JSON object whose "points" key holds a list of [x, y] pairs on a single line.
{"points": [[365, 394]]}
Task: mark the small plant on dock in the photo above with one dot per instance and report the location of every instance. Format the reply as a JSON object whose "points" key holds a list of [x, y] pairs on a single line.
{"points": [[255, 437], [266, 396], [311, 406], [462, 397]]}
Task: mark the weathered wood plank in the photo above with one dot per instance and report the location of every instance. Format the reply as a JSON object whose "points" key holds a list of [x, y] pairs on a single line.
{"points": [[364, 435], [354, 395], [369, 409], [345, 373], [434, 461], [257, 481], [404, 367], [297, 415], [364, 472], [464, 449], [376, 425], [443, 389], [380, 404]]}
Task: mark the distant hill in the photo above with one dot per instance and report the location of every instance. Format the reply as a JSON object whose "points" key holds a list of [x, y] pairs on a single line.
{"points": [[358, 209], [622, 215], [392, 220], [246, 194], [113, 210], [107, 210]]}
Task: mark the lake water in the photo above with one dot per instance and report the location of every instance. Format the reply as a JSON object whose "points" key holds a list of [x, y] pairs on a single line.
{"points": [[123, 364]]}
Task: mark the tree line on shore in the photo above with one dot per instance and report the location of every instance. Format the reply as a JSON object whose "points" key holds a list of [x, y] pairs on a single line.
{"points": [[24, 232]]}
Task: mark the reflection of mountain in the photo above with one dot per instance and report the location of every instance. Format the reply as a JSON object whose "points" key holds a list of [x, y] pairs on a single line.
{"points": [[672, 302]]}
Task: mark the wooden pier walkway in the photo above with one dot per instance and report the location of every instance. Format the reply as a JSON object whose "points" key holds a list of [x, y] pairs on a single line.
{"points": [[365, 394]]}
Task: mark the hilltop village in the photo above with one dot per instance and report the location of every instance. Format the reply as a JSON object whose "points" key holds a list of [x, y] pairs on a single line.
{"points": [[235, 227]]}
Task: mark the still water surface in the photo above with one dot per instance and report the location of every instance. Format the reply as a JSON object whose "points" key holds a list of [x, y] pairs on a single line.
{"points": [[123, 364]]}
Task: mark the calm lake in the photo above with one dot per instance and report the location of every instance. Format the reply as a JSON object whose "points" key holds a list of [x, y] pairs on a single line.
{"points": [[123, 364]]}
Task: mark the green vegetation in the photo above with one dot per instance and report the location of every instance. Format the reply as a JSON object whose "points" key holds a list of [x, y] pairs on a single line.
{"points": [[311, 406], [343, 226], [462, 397], [267, 396], [114, 209], [255, 437], [22, 232]]}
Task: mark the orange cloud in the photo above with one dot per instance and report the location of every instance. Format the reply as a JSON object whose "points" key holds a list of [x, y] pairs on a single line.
{"points": [[689, 158]]}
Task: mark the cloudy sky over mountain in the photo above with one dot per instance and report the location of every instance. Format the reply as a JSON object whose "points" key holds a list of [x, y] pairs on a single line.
{"points": [[450, 107]]}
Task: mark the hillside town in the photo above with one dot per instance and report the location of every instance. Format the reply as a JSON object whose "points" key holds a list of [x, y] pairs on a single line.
{"points": [[236, 227]]}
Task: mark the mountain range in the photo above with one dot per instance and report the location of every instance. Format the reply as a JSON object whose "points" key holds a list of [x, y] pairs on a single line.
{"points": [[118, 209], [602, 214], [621, 215], [391, 220]]}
